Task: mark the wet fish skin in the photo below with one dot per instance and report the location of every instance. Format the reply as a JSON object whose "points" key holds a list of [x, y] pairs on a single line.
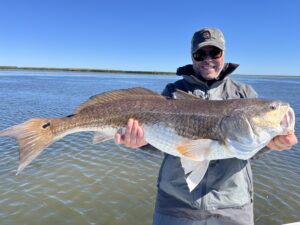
{"points": [[193, 129]]}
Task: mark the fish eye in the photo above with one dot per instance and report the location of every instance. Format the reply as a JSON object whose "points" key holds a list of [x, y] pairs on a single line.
{"points": [[273, 107]]}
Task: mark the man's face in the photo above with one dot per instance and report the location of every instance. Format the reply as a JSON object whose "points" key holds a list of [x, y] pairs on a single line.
{"points": [[208, 62]]}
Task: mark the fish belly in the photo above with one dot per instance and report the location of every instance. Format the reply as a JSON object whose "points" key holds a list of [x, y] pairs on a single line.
{"points": [[163, 138], [167, 140]]}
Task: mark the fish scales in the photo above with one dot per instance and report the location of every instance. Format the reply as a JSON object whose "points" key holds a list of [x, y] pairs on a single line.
{"points": [[149, 111], [172, 113], [189, 120]]}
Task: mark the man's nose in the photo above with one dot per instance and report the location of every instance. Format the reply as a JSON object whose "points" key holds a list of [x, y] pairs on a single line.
{"points": [[207, 57]]}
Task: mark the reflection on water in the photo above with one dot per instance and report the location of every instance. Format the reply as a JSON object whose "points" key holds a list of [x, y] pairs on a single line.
{"points": [[76, 182]]}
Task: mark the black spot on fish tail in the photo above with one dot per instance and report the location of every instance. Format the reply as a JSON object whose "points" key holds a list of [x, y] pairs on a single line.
{"points": [[46, 125]]}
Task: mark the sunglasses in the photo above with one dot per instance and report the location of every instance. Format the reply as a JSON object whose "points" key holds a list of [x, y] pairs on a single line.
{"points": [[200, 55]]}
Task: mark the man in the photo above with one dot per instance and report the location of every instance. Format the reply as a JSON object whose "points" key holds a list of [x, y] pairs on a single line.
{"points": [[225, 194]]}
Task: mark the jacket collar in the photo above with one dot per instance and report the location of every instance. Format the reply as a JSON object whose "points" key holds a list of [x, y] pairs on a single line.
{"points": [[188, 74]]}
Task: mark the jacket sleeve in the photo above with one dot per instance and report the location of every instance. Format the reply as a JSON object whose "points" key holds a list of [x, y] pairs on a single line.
{"points": [[248, 92], [169, 89]]}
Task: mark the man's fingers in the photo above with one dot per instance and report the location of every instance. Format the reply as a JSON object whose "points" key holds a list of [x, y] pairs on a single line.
{"points": [[129, 127], [140, 133], [118, 139], [134, 133], [119, 136], [128, 130], [283, 142], [131, 133], [289, 139], [140, 137], [279, 144], [132, 137]]}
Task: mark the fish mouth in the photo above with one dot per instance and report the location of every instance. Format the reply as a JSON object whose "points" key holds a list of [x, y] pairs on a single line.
{"points": [[288, 121]]}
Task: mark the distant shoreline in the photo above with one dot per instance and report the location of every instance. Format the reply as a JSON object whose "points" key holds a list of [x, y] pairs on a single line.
{"points": [[119, 71], [85, 70]]}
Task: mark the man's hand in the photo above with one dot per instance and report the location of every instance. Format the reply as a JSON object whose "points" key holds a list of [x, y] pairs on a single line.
{"points": [[133, 136], [283, 142]]}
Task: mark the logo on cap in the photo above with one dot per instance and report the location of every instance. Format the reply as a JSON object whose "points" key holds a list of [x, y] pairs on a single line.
{"points": [[206, 35]]}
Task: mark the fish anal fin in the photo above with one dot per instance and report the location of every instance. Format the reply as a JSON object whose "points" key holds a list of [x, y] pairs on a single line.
{"points": [[196, 171], [111, 96]]}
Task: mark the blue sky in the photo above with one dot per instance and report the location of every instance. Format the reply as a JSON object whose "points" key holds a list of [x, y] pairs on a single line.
{"points": [[263, 36]]}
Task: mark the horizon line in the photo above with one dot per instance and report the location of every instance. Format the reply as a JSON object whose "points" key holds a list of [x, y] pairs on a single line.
{"points": [[116, 71]]}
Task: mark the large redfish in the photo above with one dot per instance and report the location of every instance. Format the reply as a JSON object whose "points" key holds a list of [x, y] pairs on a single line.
{"points": [[195, 130]]}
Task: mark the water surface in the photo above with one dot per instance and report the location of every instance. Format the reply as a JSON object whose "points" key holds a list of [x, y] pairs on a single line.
{"points": [[76, 182]]}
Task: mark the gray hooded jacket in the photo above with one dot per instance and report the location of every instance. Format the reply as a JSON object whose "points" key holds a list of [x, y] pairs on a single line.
{"points": [[226, 190]]}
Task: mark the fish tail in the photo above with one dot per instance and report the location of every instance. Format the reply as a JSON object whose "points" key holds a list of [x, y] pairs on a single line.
{"points": [[33, 136]]}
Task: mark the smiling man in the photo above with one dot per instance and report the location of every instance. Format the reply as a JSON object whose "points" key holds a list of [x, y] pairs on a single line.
{"points": [[208, 60], [225, 194]]}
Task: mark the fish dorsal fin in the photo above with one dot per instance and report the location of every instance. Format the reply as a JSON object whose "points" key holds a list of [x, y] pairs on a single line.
{"points": [[179, 94], [115, 95]]}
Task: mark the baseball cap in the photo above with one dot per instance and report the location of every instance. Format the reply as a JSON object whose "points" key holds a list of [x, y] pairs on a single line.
{"points": [[208, 36]]}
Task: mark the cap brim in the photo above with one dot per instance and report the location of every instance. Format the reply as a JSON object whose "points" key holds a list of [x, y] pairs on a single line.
{"points": [[209, 43]]}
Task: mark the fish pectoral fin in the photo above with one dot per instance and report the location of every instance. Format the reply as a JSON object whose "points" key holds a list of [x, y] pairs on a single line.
{"points": [[197, 150], [195, 171], [101, 137]]}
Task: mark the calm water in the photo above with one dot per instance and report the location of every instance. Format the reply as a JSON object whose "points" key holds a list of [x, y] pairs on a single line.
{"points": [[76, 182]]}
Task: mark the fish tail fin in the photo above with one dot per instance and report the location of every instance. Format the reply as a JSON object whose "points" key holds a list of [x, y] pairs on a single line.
{"points": [[33, 136], [195, 171]]}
